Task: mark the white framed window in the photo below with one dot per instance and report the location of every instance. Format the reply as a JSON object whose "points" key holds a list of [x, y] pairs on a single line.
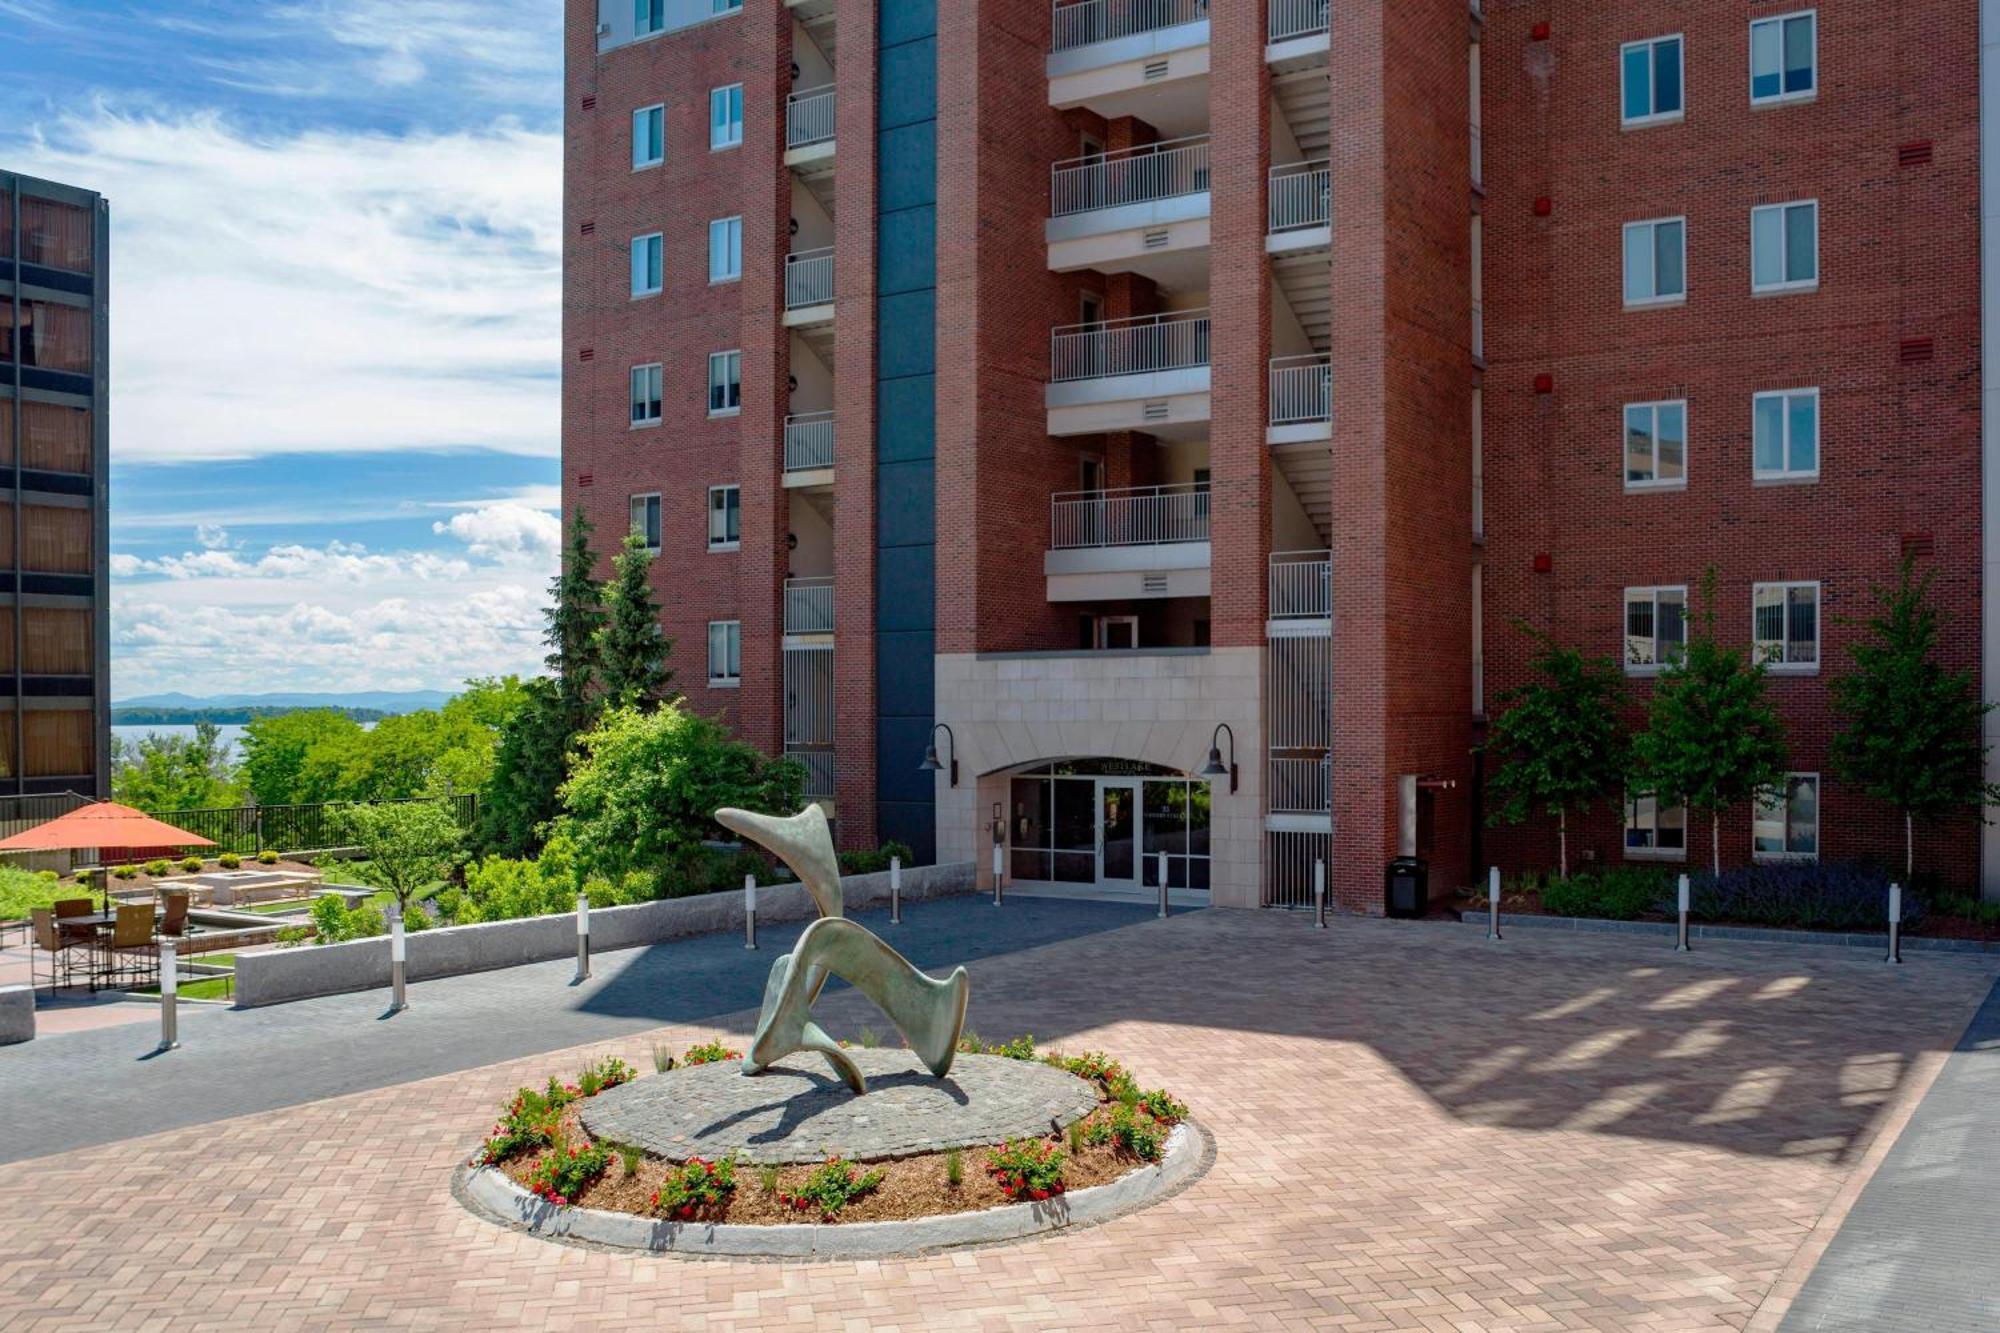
{"points": [[725, 383], [1785, 824], [1655, 628], [725, 654], [725, 117], [725, 518], [1656, 445], [1784, 247], [1784, 435], [1654, 830], [646, 520], [649, 137], [1656, 261], [724, 6], [1784, 58], [646, 383], [1784, 626], [725, 250], [646, 265], [1651, 89], [649, 17]]}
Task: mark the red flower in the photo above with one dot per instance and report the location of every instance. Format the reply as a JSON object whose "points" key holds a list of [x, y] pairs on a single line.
{"points": [[1039, 1195]]}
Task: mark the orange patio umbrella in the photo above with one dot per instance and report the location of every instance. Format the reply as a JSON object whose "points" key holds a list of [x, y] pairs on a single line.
{"points": [[104, 827]]}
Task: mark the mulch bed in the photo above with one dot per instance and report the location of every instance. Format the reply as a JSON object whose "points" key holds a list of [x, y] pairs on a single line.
{"points": [[1528, 902]]}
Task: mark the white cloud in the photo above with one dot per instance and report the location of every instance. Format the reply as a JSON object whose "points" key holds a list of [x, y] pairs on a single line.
{"points": [[211, 535], [323, 292], [504, 529]]}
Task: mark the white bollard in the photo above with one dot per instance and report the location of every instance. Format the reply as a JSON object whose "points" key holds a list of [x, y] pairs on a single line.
{"points": [[1493, 902], [895, 890], [749, 911], [1319, 893], [1895, 924], [170, 985], [399, 998], [1681, 944], [999, 872], [1163, 886], [583, 937]]}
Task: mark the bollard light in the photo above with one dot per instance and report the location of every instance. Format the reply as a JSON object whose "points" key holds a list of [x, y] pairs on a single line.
{"points": [[749, 911], [1681, 944], [1493, 902], [170, 985], [895, 890], [398, 959], [583, 937], [1163, 886], [999, 873], [1895, 924], [1319, 893]]}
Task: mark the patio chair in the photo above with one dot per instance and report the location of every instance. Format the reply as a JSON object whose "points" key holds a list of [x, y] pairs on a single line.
{"points": [[131, 954], [67, 907], [59, 946]]}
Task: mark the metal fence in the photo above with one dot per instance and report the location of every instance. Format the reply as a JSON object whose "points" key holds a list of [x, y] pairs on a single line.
{"points": [[809, 278], [1301, 585], [1301, 195], [1299, 786], [809, 117], [819, 772], [809, 605], [1176, 340], [1297, 18], [1134, 516], [808, 441], [1129, 176], [1289, 859], [1081, 22], [1301, 390], [249, 829]]}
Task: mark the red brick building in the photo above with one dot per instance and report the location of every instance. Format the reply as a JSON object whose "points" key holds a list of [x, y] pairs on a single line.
{"points": [[1244, 320]]}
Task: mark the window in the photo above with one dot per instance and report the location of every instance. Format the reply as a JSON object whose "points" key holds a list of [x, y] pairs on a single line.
{"points": [[1655, 829], [1784, 625], [725, 117], [725, 653], [649, 137], [1651, 74], [646, 265], [1655, 445], [725, 383], [1655, 628], [725, 250], [1655, 261], [1785, 825], [1784, 247], [646, 395], [725, 518], [1784, 58], [1785, 434], [646, 519], [649, 16], [724, 6]]}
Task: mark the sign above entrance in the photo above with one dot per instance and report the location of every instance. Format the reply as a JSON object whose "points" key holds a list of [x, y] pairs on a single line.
{"points": [[1102, 768]]}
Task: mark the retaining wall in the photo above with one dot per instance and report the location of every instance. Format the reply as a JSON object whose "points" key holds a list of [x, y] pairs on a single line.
{"points": [[329, 969], [17, 1014]]}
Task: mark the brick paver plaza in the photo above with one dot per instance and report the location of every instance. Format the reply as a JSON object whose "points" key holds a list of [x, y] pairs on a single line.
{"points": [[1414, 1129]]}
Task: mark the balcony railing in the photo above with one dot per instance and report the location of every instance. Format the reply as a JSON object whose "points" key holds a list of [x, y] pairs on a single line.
{"points": [[809, 605], [1297, 18], [1300, 787], [809, 117], [808, 441], [1134, 516], [809, 278], [1301, 195], [1301, 585], [1301, 390], [819, 772], [1177, 340], [1130, 176], [1081, 22]]}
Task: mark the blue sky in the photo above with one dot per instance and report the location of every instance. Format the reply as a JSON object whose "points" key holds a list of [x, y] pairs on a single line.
{"points": [[335, 328]]}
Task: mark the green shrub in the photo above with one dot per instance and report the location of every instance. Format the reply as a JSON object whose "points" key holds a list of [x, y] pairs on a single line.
{"points": [[1160, 1104], [1028, 1170], [1616, 893], [709, 1053], [22, 892], [126, 872], [48, 877], [567, 1169], [191, 865], [1136, 1133], [158, 867], [229, 861], [291, 936], [831, 1187], [697, 1185], [865, 862], [1021, 1048], [267, 857]]}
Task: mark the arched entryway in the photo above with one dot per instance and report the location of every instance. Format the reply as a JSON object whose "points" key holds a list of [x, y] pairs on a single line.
{"points": [[1107, 826]]}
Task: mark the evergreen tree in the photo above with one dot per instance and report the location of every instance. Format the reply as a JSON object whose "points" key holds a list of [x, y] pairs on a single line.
{"points": [[1559, 741], [632, 649], [1912, 728], [575, 618], [1713, 739]]}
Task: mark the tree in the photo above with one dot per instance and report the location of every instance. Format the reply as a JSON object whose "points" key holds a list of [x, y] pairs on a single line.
{"points": [[161, 773], [1559, 741], [276, 751], [529, 764], [409, 843], [1713, 739], [1911, 734], [646, 787], [575, 618], [632, 649]]}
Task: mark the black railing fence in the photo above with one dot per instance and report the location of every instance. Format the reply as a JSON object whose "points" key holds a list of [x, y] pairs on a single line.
{"points": [[249, 829]]}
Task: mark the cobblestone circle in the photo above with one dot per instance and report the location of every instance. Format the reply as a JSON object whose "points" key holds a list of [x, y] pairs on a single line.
{"points": [[798, 1111]]}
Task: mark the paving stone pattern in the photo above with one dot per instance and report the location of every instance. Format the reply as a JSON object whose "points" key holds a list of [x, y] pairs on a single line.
{"points": [[1414, 1129], [800, 1111]]}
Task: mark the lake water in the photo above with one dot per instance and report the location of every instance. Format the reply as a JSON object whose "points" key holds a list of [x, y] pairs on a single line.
{"points": [[133, 732]]}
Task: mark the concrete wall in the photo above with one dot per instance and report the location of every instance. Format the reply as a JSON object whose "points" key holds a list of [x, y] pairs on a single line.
{"points": [[17, 1014], [297, 974]]}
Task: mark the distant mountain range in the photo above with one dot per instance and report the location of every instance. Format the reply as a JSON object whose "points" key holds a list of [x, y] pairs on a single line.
{"points": [[379, 701]]}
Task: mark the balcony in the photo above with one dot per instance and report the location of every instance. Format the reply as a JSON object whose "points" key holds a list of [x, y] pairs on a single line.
{"points": [[809, 126], [809, 605], [1296, 30], [809, 287], [1300, 786], [1301, 207], [1301, 399], [819, 772], [809, 449], [1147, 58], [1140, 210], [1301, 585], [1139, 542], [1149, 372]]}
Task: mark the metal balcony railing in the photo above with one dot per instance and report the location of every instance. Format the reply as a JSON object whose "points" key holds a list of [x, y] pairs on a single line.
{"points": [[1301, 390], [1478, 159], [808, 441], [1300, 786], [1176, 340], [1297, 18], [1129, 176], [819, 772], [1301, 585], [809, 278], [809, 605], [1081, 22], [809, 117], [1301, 195], [1134, 516]]}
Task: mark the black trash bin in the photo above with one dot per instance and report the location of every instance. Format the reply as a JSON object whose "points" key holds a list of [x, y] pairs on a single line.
{"points": [[1406, 890]]}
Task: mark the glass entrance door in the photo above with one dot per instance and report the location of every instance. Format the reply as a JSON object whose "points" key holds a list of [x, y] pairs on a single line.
{"points": [[1118, 834]]}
